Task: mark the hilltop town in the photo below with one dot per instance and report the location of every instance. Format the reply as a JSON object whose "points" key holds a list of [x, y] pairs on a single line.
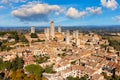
{"points": [[59, 55]]}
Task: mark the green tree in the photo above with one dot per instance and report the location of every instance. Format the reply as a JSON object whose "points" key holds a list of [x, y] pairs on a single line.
{"points": [[7, 65], [41, 59], [2, 33], [105, 76], [17, 63], [70, 78], [34, 35], [0, 44], [49, 69], [34, 69], [14, 35], [17, 75], [1, 64], [23, 38], [115, 44], [73, 78], [83, 78], [1, 61]]}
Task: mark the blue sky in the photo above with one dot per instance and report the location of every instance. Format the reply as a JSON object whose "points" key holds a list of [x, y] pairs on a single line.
{"points": [[62, 12]]}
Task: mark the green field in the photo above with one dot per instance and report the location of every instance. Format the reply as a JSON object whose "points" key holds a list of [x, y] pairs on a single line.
{"points": [[114, 41]]}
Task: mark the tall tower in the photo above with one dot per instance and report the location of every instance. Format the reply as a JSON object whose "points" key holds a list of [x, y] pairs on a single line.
{"points": [[78, 42], [76, 34], [67, 37], [59, 29], [52, 30], [73, 34], [46, 32], [32, 29], [76, 37]]}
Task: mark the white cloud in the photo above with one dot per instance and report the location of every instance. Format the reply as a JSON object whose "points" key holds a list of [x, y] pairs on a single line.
{"points": [[117, 18], [23, 0], [11, 1], [35, 12], [1, 7], [94, 10], [16, 1], [73, 13], [62, 10], [5, 1], [111, 4]]}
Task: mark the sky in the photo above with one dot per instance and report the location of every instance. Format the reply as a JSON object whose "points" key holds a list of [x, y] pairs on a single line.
{"points": [[62, 12]]}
